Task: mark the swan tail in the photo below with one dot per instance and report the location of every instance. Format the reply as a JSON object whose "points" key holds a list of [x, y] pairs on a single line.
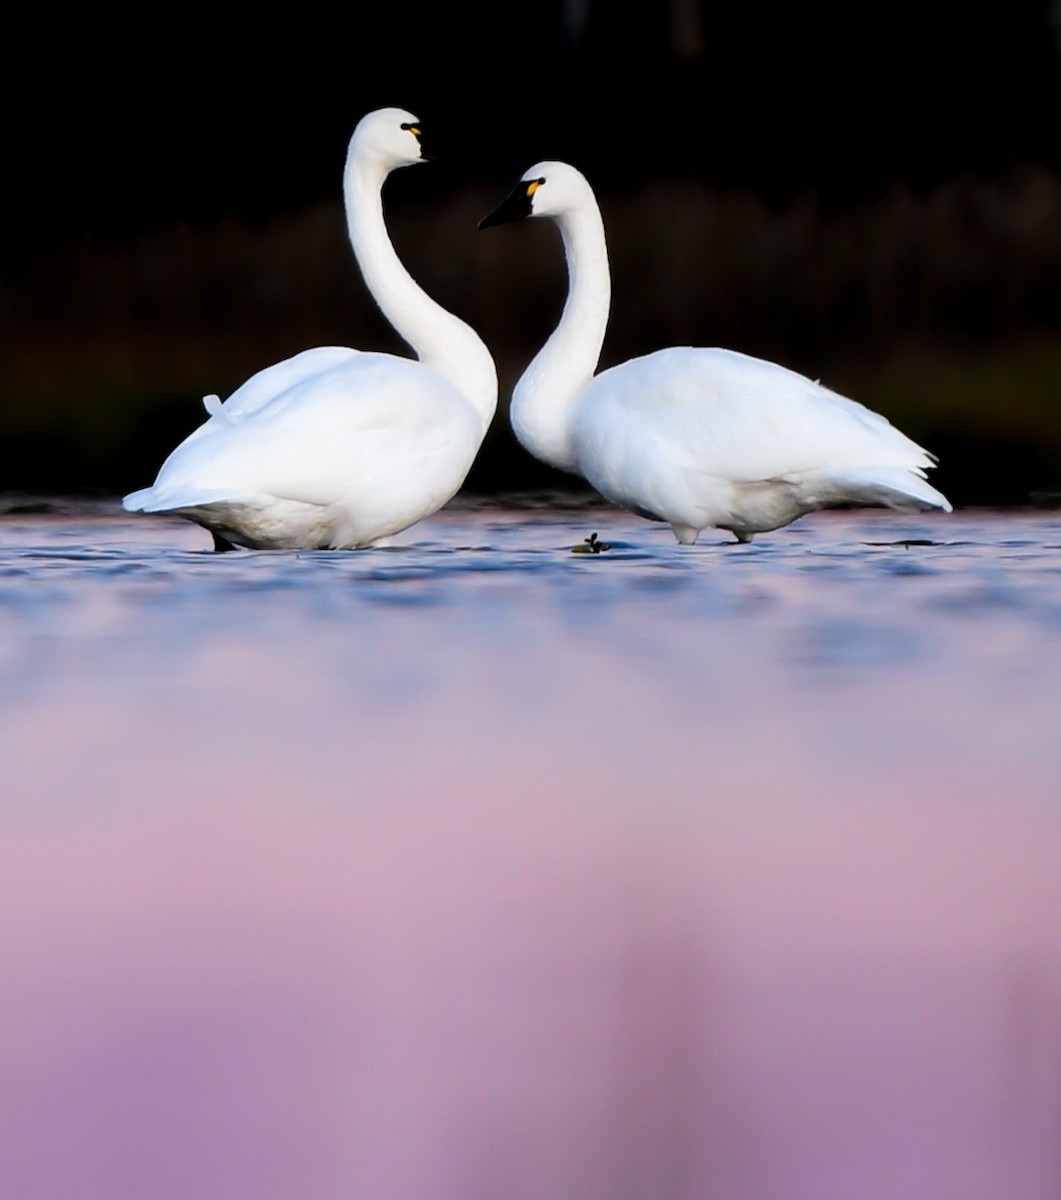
{"points": [[138, 501], [902, 488], [150, 500]]}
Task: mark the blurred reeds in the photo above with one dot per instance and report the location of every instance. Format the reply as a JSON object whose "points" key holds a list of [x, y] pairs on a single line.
{"points": [[940, 309]]}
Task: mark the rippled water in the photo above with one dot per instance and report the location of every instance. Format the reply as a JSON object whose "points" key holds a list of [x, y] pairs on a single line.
{"points": [[476, 867]]}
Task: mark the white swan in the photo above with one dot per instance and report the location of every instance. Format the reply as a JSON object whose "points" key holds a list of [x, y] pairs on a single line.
{"points": [[694, 437], [334, 448]]}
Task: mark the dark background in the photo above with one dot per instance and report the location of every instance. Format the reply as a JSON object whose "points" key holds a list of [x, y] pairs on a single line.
{"points": [[119, 130], [116, 128]]}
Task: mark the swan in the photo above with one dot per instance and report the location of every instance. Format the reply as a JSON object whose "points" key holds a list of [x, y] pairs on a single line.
{"points": [[694, 437], [337, 448]]}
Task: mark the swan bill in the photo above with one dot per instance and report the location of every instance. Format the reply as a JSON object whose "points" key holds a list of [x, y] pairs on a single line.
{"points": [[515, 206], [417, 130]]}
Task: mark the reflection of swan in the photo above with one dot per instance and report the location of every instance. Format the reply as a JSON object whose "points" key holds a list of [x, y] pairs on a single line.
{"points": [[694, 437], [335, 448]]}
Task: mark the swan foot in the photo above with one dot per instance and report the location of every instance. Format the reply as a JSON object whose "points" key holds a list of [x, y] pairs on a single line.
{"points": [[221, 544]]}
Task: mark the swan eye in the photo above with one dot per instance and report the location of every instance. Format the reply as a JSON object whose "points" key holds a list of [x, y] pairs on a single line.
{"points": [[533, 186], [413, 129]]}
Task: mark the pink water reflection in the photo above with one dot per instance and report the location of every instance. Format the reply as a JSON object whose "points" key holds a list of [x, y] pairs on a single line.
{"points": [[565, 921]]}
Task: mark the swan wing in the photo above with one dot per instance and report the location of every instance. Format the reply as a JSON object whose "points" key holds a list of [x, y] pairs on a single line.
{"points": [[725, 414], [698, 435], [374, 431], [265, 385]]}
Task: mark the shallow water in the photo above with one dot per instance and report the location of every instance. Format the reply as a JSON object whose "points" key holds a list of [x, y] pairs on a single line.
{"points": [[474, 867]]}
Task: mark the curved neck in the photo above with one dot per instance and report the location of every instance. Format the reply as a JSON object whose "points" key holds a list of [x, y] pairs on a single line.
{"points": [[545, 399], [440, 340]]}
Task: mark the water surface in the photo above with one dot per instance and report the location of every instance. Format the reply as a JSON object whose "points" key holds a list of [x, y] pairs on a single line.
{"points": [[477, 867]]}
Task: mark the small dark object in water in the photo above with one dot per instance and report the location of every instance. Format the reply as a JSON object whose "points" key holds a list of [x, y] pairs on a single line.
{"points": [[590, 545], [905, 542]]}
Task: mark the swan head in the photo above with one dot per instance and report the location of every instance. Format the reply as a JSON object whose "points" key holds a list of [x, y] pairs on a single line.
{"points": [[548, 189], [388, 137]]}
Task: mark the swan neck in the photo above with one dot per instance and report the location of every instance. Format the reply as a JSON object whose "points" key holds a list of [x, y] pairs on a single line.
{"points": [[585, 314], [545, 400], [439, 339]]}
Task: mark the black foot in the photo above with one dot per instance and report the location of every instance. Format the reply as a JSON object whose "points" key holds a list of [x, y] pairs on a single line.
{"points": [[222, 545]]}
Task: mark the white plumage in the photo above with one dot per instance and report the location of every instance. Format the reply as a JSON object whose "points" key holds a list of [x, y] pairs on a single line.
{"points": [[336, 448], [691, 436]]}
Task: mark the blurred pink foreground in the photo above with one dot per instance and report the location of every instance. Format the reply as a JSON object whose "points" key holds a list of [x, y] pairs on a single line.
{"points": [[494, 901]]}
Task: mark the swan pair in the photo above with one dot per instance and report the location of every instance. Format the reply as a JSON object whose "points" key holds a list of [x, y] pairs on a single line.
{"points": [[340, 449]]}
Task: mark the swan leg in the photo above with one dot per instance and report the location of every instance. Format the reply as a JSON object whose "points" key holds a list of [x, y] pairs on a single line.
{"points": [[686, 534], [222, 545]]}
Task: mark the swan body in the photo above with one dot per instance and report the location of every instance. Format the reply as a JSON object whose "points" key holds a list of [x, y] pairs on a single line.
{"points": [[692, 436], [336, 448]]}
